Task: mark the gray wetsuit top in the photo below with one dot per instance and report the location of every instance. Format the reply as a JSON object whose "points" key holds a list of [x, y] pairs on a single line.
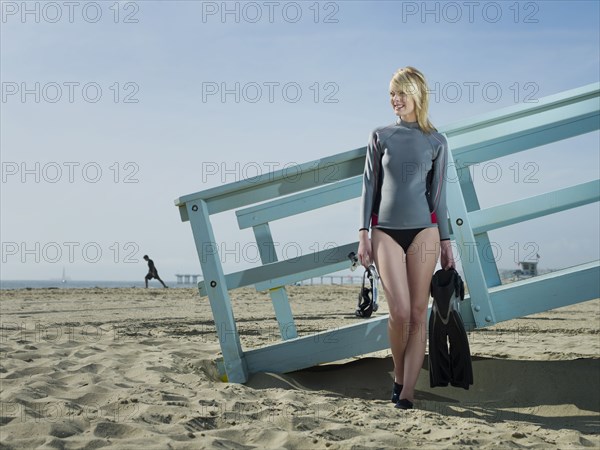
{"points": [[404, 179]]}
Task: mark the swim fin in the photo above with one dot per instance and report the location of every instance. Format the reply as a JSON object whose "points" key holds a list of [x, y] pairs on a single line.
{"points": [[448, 365]]}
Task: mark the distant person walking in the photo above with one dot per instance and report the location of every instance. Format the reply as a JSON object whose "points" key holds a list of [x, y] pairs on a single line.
{"points": [[152, 272]]}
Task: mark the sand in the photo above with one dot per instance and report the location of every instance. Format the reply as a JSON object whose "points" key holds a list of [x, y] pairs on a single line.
{"points": [[135, 368]]}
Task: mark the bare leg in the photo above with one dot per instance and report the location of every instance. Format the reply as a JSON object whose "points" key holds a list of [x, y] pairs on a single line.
{"points": [[421, 259], [389, 258], [164, 285]]}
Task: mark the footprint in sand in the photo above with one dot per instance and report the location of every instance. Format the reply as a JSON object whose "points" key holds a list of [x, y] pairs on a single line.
{"points": [[175, 400], [115, 430], [201, 424]]}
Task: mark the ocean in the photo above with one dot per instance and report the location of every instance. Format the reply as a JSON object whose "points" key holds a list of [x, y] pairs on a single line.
{"points": [[79, 284], [38, 284]]}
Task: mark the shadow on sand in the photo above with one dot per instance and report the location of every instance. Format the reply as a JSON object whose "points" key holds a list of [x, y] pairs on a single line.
{"points": [[539, 392]]}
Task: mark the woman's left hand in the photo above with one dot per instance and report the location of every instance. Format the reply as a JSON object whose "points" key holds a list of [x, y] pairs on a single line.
{"points": [[446, 258]]}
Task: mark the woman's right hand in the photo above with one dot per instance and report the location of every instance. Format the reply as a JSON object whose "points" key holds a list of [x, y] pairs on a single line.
{"points": [[365, 251]]}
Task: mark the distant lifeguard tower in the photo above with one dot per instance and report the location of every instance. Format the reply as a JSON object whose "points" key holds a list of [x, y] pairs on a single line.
{"points": [[528, 269]]}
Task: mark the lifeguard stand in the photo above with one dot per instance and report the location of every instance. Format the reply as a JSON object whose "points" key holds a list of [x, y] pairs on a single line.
{"points": [[473, 141], [528, 268]]}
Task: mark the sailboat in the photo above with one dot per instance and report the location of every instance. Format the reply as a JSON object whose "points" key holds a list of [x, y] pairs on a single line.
{"points": [[64, 276]]}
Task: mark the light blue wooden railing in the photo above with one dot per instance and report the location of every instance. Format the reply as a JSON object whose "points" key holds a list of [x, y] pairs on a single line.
{"points": [[338, 178]]}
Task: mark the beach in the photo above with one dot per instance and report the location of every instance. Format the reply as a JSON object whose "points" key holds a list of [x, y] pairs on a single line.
{"points": [[122, 368]]}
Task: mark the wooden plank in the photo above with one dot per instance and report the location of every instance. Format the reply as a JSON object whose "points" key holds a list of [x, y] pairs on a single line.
{"points": [[554, 101], [331, 345], [488, 265], [465, 240], [314, 272], [537, 206], [279, 297], [525, 133], [279, 183], [479, 139], [329, 258], [220, 303], [518, 299], [363, 337], [544, 292], [300, 203]]}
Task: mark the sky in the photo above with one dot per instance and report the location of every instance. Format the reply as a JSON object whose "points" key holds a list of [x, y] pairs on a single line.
{"points": [[112, 110]]}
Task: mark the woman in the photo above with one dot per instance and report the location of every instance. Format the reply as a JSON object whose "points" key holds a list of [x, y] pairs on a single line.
{"points": [[404, 202]]}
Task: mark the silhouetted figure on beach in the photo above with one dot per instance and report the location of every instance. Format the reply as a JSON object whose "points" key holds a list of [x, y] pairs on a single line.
{"points": [[152, 272]]}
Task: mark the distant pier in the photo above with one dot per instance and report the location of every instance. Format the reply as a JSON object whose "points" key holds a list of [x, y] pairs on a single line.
{"points": [[343, 279], [187, 278]]}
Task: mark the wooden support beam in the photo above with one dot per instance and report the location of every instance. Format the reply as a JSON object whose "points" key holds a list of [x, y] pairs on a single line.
{"points": [[510, 301], [284, 272], [300, 203], [537, 206]]}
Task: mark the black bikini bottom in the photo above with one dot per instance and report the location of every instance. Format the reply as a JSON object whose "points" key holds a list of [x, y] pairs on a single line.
{"points": [[403, 237]]}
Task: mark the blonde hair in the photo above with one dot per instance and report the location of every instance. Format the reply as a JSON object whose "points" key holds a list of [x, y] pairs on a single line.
{"points": [[412, 82]]}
